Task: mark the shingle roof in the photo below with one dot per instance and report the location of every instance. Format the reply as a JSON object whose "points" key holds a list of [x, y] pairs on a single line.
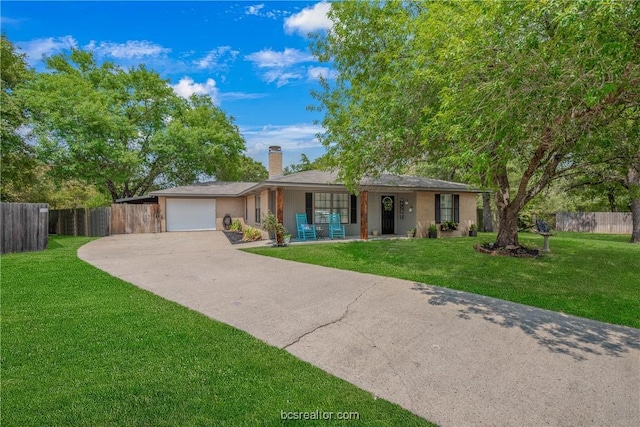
{"points": [[212, 188], [408, 182], [413, 182], [313, 178]]}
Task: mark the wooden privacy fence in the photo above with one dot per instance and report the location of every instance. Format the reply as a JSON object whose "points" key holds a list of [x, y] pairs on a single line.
{"points": [[595, 222], [99, 222], [24, 227], [128, 219], [80, 222]]}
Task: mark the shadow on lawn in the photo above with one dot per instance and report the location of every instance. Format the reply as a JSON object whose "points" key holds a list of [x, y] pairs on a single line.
{"points": [[573, 336]]}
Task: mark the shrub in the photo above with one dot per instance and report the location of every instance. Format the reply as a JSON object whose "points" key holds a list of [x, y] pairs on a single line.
{"points": [[250, 234], [271, 225], [236, 225]]}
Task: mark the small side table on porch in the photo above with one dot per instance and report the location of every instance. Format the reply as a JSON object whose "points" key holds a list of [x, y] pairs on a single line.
{"points": [[320, 232]]}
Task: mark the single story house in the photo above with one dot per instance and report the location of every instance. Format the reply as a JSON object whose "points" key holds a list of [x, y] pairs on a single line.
{"points": [[389, 205]]}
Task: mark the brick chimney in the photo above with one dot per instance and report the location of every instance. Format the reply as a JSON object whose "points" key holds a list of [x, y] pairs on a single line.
{"points": [[275, 161]]}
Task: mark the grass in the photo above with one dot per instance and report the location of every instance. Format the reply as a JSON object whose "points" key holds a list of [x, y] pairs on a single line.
{"points": [[80, 347], [586, 275]]}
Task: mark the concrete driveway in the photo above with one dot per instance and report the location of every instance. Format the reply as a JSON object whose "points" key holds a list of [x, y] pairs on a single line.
{"points": [[454, 358]]}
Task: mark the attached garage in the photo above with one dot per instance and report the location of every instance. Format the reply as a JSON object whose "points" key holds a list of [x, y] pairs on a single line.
{"points": [[190, 214]]}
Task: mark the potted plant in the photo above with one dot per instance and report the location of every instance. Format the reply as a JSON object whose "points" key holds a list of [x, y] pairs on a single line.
{"points": [[449, 226], [433, 231], [411, 232], [287, 239], [271, 225], [473, 230]]}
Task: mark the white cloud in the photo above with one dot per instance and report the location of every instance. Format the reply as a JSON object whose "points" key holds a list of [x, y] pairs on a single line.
{"points": [[309, 19], [268, 58], [9, 21], [233, 96], [259, 10], [187, 87], [314, 73], [219, 58], [280, 66], [253, 10], [36, 49], [296, 137], [280, 77], [129, 50]]}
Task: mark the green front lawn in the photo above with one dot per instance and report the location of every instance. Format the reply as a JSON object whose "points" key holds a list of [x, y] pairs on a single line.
{"points": [[80, 347], [587, 275]]}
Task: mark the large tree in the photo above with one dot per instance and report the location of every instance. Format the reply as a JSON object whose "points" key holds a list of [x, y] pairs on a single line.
{"points": [[127, 129], [489, 87], [16, 156]]}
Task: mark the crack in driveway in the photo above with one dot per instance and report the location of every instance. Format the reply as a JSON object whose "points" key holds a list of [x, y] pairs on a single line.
{"points": [[333, 322], [389, 364]]}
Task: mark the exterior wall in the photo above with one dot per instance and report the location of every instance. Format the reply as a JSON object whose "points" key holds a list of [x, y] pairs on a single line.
{"points": [[468, 211], [233, 206], [422, 202], [294, 202], [250, 210], [264, 203], [426, 213], [162, 203], [401, 225]]}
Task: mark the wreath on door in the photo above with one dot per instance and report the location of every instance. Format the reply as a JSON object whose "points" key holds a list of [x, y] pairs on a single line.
{"points": [[387, 204]]}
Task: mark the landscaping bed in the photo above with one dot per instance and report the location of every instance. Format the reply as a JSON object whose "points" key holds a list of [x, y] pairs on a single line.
{"points": [[514, 251]]}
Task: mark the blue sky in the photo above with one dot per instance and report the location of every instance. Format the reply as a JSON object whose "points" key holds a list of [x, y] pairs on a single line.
{"points": [[251, 57]]}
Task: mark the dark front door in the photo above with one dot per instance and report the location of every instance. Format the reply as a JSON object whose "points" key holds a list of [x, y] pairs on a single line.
{"points": [[388, 210]]}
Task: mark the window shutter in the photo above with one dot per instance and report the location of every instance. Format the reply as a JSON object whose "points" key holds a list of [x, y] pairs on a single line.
{"points": [[308, 202], [354, 209], [437, 208], [456, 208]]}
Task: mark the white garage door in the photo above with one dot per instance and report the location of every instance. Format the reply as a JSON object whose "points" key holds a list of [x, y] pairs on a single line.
{"points": [[191, 214]]}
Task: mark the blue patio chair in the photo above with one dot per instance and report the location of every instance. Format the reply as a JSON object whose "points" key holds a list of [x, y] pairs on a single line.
{"points": [[335, 226], [305, 231]]}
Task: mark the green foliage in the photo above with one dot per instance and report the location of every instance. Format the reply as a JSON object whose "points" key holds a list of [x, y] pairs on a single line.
{"points": [[570, 279], [449, 226], [271, 225], [323, 162], [126, 129], [236, 225], [58, 193], [251, 170], [251, 234], [481, 88], [81, 347], [17, 158]]}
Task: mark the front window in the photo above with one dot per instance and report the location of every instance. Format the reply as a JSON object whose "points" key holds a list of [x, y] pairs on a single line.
{"points": [[326, 203], [446, 207], [258, 213]]}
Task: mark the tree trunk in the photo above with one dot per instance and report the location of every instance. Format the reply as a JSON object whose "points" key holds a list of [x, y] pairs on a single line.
{"points": [[633, 181], [487, 218], [635, 220], [508, 227], [612, 201]]}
